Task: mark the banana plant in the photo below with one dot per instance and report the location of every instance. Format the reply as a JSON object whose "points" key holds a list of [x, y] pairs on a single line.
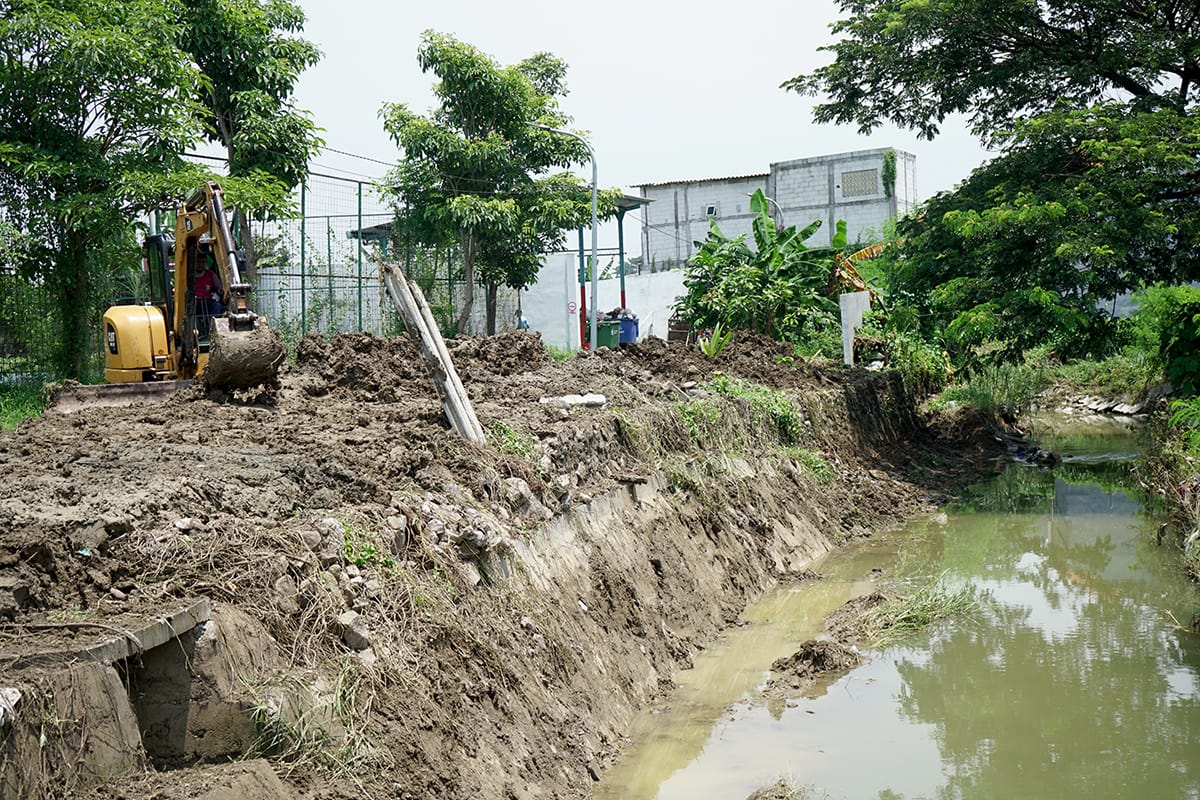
{"points": [[768, 289]]}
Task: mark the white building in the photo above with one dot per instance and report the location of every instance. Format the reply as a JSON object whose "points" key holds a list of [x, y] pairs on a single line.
{"points": [[865, 188]]}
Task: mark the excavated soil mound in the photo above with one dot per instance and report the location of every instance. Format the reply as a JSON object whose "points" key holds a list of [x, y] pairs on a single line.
{"points": [[845, 623], [393, 563], [795, 673]]}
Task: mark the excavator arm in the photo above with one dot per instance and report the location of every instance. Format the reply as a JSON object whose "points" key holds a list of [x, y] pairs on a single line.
{"points": [[243, 351]]}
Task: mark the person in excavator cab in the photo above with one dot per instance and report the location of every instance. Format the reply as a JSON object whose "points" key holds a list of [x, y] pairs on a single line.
{"points": [[207, 290]]}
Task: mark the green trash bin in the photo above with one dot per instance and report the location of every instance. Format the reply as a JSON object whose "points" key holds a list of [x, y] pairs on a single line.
{"points": [[608, 333]]}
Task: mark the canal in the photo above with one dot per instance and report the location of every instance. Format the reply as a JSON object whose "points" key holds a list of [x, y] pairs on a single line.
{"points": [[1075, 677]]}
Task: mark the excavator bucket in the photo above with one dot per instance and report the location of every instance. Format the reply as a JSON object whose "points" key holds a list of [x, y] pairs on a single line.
{"points": [[241, 359]]}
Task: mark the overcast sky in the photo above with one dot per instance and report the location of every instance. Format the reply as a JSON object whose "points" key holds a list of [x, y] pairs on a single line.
{"points": [[667, 90]]}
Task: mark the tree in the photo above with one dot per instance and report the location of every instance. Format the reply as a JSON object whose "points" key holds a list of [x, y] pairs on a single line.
{"points": [[97, 106], [477, 172], [914, 62], [250, 59], [1081, 206], [1095, 190]]}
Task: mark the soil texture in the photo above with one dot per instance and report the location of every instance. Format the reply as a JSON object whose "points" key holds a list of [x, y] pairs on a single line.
{"points": [[417, 616]]}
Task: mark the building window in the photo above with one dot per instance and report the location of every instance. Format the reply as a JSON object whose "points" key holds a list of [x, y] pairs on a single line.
{"points": [[710, 210], [860, 183]]}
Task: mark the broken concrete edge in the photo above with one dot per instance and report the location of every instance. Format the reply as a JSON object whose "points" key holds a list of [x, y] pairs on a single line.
{"points": [[124, 643]]}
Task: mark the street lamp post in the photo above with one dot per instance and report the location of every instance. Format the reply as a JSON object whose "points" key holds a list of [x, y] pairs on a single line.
{"points": [[778, 208], [595, 206]]}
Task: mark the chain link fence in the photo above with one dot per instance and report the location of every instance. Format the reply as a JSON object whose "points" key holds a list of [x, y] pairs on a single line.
{"points": [[317, 270]]}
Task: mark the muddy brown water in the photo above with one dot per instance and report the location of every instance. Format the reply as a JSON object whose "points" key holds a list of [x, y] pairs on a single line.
{"points": [[1072, 680]]}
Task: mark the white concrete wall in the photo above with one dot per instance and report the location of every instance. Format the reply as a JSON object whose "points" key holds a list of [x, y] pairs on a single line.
{"points": [[805, 189], [545, 304], [677, 216]]}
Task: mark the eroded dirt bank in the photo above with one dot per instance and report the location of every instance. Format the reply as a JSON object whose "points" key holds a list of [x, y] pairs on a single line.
{"points": [[395, 612]]}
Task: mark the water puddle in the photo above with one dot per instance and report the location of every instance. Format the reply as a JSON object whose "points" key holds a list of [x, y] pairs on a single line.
{"points": [[1072, 680]]}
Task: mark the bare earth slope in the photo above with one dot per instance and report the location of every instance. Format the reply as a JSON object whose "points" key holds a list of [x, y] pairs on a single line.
{"points": [[396, 612]]}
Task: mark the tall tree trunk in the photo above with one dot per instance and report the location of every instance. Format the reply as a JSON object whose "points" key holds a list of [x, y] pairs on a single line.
{"points": [[470, 246], [492, 292], [75, 304]]}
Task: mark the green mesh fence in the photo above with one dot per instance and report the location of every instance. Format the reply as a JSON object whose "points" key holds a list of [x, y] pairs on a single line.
{"points": [[316, 271]]}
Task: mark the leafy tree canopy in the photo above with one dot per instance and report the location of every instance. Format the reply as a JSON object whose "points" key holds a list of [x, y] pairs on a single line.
{"points": [[1094, 193], [250, 57], [98, 106], [474, 170], [914, 62], [1082, 206]]}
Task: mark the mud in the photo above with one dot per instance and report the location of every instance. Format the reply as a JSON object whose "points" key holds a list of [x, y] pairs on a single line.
{"points": [[794, 674], [466, 620]]}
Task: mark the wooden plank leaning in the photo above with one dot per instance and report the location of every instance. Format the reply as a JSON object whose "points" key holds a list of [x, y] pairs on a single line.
{"points": [[446, 382]]}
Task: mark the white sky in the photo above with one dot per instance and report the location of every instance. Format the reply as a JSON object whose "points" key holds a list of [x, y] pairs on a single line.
{"points": [[667, 90]]}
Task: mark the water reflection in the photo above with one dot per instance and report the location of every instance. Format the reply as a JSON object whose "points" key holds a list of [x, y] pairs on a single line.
{"points": [[1073, 680]]}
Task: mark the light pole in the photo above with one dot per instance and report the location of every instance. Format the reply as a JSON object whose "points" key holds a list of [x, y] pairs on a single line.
{"points": [[595, 188], [778, 207]]}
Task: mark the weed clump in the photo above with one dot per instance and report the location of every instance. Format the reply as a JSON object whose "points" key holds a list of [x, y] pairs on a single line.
{"points": [[893, 621]]}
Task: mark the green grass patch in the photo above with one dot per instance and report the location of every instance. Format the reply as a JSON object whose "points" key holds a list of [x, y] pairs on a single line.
{"points": [[18, 403], [989, 387], [772, 403], [1125, 375], [899, 619], [561, 353], [364, 549], [699, 416], [507, 439], [813, 463]]}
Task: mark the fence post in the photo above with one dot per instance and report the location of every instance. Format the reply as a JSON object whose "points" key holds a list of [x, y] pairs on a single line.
{"points": [[329, 269], [303, 237], [360, 275]]}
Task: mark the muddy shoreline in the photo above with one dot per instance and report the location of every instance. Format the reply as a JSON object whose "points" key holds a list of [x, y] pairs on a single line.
{"points": [[397, 613]]}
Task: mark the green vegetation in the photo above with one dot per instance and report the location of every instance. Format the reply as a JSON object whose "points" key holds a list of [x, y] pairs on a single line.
{"points": [[96, 122], [894, 621], [561, 353], [508, 440], [992, 389], [699, 416], [813, 463], [20, 402], [771, 403], [712, 346], [363, 548], [778, 288]]}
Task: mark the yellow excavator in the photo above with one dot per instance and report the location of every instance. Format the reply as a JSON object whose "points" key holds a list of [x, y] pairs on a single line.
{"points": [[153, 349]]}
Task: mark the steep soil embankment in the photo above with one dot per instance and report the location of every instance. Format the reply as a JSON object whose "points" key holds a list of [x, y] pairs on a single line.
{"points": [[398, 613]]}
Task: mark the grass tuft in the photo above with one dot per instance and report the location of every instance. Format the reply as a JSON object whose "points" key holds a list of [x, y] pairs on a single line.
{"points": [[898, 619], [763, 400], [18, 403]]}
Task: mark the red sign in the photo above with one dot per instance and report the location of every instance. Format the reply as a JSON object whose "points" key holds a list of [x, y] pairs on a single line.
{"points": [[571, 306]]}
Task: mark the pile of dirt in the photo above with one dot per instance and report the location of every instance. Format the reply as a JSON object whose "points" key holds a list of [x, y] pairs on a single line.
{"points": [[846, 623], [793, 674], [486, 617]]}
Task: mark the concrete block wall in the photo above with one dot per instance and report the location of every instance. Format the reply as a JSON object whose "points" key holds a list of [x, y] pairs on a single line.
{"points": [[805, 190], [678, 216]]}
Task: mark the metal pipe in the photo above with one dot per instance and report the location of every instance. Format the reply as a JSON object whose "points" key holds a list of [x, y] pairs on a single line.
{"points": [[595, 225]]}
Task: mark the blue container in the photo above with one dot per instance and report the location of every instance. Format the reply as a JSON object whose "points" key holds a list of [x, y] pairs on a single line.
{"points": [[629, 330]]}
